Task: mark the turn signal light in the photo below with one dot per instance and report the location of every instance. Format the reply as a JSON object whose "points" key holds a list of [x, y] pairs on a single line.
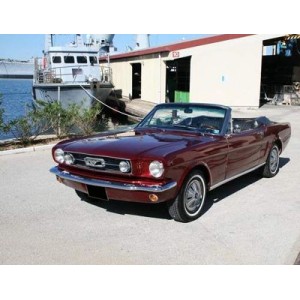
{"points": [[153, 197]]}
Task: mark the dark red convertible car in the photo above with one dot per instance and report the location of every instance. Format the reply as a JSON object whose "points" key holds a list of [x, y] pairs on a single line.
{"points": [[176, 154]]}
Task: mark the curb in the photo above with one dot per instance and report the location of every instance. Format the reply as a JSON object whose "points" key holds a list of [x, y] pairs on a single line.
{"points": [[28, 149]]}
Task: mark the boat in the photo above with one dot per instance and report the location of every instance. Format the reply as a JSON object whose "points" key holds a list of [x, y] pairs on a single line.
{"points": [[12, 68], [71, 74]]}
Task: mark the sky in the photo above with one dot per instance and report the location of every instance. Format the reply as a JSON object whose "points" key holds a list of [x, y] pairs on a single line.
{"points": [[22, 30], [26, 46]]}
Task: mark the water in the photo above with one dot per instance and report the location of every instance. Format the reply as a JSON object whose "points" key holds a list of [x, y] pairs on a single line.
{"points": [[16, 96]]}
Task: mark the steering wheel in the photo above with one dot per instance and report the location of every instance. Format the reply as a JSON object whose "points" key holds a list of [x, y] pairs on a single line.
{"points": [[208, 127]]}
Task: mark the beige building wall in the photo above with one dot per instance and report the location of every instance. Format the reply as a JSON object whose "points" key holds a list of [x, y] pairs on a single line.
{"points": [[153, 77], [121, 75], [226, 72]]}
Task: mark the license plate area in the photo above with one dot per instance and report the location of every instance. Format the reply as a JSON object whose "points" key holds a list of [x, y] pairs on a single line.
{"points": [[97, 192]]}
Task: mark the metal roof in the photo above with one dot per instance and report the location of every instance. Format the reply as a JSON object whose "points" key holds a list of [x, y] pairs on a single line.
{"points": [[177, 46]]}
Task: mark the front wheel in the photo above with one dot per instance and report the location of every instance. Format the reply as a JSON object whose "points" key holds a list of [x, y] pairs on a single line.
{"points": [[189, 202], [271, 167]]}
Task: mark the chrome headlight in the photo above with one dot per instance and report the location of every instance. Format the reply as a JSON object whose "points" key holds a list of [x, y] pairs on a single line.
{"points": [[69, 159], [156, 168], [124, 166], [59, 155]]}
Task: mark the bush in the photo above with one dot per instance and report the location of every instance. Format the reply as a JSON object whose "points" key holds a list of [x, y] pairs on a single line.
{"points": [[26, 128], [52, 117], [2, 125], [1, 116], [86, 120], [59, 119]]}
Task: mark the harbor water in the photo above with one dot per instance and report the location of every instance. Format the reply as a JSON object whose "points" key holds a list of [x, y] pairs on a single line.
{"points": [[16, 98]]}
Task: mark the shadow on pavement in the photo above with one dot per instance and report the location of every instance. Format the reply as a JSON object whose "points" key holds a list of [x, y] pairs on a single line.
{"points": [[160, 210], [236, 185], [132, 208]]}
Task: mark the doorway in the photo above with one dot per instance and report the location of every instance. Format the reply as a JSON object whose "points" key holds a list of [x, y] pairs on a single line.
{"points": [[178, 80], [136, 80], [280, 72]]}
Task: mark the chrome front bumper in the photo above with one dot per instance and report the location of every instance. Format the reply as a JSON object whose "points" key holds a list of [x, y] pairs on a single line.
{"points": [[114, 185]]}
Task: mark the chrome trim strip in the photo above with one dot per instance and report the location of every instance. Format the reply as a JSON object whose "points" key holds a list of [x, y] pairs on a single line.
{"points": [[236, 176], [114, 185]]}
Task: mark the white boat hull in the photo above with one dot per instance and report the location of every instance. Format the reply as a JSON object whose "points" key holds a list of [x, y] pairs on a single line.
{"points": [[15, 69], [71, 94]]}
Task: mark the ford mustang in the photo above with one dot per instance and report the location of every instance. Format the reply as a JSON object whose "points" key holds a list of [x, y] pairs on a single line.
{"points": [[176, 154]]}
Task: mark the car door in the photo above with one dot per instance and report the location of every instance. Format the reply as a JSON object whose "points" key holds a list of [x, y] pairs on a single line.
{"points": [[244, 150]]}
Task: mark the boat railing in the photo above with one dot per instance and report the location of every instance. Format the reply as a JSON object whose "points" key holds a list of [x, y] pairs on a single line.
{"points": [[69, 74]]}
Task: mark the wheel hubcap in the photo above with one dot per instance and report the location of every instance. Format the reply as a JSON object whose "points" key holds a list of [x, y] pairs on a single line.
{"points": [[274, 160], [193, 196]]}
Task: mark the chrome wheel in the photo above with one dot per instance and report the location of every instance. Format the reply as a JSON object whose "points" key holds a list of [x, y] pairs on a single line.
{"points": [[271, 167], [189, 202], [274, 160], [193, 196]]}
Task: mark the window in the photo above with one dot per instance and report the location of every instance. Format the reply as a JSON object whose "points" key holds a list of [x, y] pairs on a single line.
{"points": [[69, 59], [93, 59], [81, 59], [56, 59]]}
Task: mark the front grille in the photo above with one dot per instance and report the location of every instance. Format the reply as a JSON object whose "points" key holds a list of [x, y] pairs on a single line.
{"points": [[98, 163]]}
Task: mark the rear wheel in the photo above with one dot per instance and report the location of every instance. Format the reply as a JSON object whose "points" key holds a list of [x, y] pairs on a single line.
{"points": [[189, 202], [271, 167]]}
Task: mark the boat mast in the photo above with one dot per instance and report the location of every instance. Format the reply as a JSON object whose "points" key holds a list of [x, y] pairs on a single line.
{"points": [[48, 42]]}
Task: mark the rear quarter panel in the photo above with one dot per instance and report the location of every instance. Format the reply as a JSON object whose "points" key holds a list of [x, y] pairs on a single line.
{"points": [[276, 132]]}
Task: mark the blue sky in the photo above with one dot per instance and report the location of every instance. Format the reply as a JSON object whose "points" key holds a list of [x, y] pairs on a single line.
{"points": [[167, 21], [25, 46]]}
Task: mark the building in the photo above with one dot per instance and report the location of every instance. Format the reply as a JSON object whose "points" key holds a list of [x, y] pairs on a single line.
{"points": [[230, 69]]}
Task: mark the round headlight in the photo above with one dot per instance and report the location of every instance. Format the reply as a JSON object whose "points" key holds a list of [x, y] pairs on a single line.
{"points": [[124, 166], [156, 169], [69, 159], [59, 155]]}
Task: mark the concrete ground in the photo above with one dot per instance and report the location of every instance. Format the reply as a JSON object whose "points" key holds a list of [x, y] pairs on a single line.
{"points": [[251, 220]]}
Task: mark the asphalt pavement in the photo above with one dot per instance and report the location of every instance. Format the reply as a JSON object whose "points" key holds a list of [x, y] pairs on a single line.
{"points": [[251, 220]]}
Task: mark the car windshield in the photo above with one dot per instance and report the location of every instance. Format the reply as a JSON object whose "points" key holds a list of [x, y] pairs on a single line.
{"points": [[206, 119]]}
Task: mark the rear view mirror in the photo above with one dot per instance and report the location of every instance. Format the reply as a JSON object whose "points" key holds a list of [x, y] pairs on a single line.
{"points": [[188, 110]]}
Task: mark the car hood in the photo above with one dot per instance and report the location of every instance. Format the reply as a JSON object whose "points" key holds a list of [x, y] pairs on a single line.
{"points": [[134, 144]]}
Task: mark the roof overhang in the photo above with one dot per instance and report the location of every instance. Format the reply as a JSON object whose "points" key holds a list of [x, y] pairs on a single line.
{"points": [[177, 46]]}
